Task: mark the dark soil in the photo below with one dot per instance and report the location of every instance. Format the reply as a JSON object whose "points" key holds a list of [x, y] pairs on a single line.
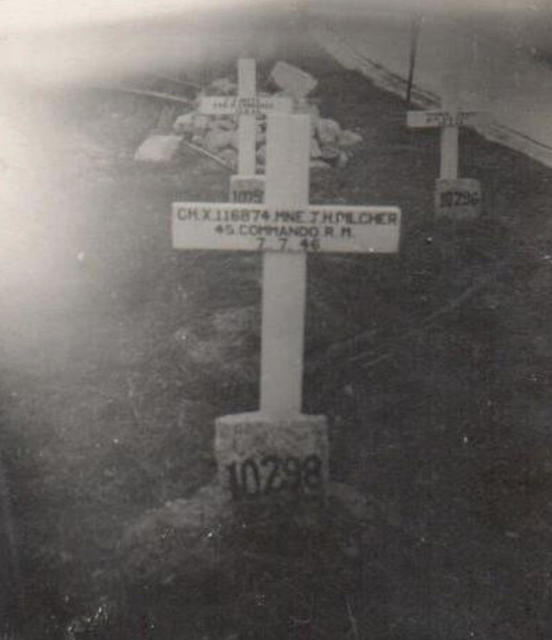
{"points": [[433, 366]]}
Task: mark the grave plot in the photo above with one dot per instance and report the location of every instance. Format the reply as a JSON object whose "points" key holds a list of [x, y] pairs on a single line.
{"points": [[430, 364], [225, 111]]}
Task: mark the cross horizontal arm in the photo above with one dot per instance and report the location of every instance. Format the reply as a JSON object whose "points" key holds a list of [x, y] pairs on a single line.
{"points": [[232, 105], [443, 118], [250, 227]]}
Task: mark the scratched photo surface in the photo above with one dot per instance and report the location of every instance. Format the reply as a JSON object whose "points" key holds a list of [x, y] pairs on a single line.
{"points": [[275, 345]]}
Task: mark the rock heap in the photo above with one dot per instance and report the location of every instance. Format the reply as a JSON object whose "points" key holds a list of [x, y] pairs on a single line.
{"points": [[218, 135]]}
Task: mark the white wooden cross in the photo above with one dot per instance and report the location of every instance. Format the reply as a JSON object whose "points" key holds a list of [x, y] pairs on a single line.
{"points": [[454, 197], [285, 228], [449, 118], [246, 186]]}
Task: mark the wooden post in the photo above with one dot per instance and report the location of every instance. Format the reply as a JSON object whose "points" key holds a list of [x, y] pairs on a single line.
{"points": [[247, 123], [455, 198], [284, 274], [449, 135]]}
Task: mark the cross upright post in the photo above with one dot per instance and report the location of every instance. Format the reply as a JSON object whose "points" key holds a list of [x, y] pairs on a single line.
{"points": [[284, 274], [449, 139]]}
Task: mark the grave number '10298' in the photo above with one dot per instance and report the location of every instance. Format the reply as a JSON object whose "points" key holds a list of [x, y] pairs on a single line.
{"points": [[249, 479]]}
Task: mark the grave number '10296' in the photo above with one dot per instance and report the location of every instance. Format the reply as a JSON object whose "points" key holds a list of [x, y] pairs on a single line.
{"points": [[459, 198], [249, 479]]}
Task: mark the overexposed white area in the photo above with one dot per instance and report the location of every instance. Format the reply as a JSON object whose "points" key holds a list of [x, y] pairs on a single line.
{"points": [[64, 41], [46, 14], [137, 43], [53, 14]]}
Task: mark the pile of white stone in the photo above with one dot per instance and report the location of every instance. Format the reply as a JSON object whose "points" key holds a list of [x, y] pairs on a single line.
{"points": [[218, 135]]}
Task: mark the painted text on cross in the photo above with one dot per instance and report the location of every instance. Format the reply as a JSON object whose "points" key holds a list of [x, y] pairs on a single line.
{"points": [[221, 105], [326, 228]]}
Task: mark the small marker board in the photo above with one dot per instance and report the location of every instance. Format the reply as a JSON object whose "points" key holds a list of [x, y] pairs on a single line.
{"points": [[247, 189], [256, 105], [442, 118], [458, 199], [325, 228]]}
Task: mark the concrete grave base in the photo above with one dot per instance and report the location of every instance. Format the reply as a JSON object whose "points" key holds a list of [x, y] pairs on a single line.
{"points": [[247, 188], [260, 455], [458, 199]]}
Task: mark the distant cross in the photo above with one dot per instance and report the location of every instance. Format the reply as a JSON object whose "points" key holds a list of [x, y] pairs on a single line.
{"points": [[246, 186], [456, 197], [449, 118]]}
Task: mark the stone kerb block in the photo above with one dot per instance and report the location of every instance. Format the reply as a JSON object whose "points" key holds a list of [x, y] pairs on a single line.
{"points": [[258, 455], [295, 82], [230, 157], [185, 123], [158, 149], [328, 131], [348, 138], [217, 139]]}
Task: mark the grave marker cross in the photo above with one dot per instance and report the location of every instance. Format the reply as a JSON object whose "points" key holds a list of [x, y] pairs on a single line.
{"points": [[255, 449], [248, 106], [459, 198]]}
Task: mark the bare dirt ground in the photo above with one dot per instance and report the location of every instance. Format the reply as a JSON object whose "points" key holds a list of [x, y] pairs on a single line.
{"points": [[433, 367]]}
